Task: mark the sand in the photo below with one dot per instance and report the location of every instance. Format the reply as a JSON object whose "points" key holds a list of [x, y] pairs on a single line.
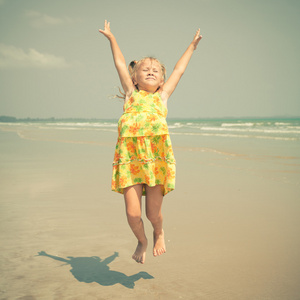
{"points": [[232, 224]]}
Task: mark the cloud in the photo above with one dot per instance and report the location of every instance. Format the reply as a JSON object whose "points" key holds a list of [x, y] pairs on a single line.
{"points": [[38, 19], [13, 57]]}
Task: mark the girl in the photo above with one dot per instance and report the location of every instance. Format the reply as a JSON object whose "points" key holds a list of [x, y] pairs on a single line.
{"points": [[144, 162]]}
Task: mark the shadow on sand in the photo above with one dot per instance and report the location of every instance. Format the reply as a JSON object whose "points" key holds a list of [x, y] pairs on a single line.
{"points": [[93, 269]]}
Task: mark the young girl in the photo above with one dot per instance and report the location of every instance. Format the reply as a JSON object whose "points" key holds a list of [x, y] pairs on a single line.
{"points": [[144, 163]]}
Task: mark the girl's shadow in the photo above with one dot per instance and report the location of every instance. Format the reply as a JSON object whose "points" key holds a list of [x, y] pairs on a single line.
{"points": [[93, 269]]}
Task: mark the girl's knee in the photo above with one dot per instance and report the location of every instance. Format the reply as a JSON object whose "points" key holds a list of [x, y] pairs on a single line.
{"points": [[154, 217], [133, 216]]}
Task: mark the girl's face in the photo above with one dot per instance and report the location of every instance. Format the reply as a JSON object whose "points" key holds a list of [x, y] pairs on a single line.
{"points": [[149, 76]]}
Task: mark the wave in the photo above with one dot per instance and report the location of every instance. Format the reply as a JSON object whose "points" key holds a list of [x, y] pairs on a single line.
{"points": [[237, 124], [251, 130], [259, 129], [82, 124]]}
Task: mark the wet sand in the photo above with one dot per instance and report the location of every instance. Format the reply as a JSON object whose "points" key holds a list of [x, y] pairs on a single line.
{"points": [[232, 224]]}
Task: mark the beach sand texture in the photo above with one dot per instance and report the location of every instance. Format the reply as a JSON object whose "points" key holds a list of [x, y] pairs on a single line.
{"points": [[232, 224]]}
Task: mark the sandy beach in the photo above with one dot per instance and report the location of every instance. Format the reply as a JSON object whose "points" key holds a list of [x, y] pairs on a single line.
{"points": [[232, 224]]}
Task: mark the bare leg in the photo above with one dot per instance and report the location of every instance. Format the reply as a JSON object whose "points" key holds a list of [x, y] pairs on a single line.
{"points": [[133, 196], [154, 199]]}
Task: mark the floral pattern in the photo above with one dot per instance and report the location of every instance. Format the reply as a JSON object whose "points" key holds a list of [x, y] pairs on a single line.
{"points": [[143, 152], [144, 115]]}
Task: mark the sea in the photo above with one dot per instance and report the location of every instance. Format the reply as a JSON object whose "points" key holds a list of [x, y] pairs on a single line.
{"points": [[285, 129]]}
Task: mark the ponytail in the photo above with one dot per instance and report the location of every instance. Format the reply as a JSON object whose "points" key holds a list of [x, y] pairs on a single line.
{"points": [[131, 67]]}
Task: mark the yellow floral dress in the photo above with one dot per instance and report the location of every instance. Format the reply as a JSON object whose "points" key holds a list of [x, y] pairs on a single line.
{"points": [[143, 152]]}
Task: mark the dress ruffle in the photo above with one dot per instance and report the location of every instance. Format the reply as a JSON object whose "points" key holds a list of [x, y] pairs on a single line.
{"points": [[144, 160]]}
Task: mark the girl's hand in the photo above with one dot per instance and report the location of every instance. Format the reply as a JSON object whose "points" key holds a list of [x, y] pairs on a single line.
{"points": [[106, 30], [196, 39]]}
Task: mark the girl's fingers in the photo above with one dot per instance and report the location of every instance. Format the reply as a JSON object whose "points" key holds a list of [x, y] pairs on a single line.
{"points": [[107, 25], [197, 35], [197, 38], [106, 30]]}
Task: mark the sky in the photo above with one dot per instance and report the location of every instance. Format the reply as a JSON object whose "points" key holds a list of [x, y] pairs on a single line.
{"points": [[55, 63]]}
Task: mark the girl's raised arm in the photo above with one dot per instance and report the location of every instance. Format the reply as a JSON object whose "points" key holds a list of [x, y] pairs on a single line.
{"points": [[181, 65], [119, 60]]}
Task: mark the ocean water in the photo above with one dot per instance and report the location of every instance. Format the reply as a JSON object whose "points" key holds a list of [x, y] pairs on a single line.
{"points": [[268, 129], [274, 129]]}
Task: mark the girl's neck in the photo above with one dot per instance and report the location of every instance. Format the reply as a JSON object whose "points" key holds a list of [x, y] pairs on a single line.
{"points": [[151, 91]]}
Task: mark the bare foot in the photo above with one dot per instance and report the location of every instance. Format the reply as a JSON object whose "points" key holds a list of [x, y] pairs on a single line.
{"points": [[159, 244], [140, 252]]}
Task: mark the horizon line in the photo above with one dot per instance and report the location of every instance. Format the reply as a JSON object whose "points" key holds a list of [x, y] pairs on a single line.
{"points": [[5, 118]]}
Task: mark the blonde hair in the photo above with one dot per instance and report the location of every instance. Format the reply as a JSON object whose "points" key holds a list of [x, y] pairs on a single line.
{"points": [[134, 66]]}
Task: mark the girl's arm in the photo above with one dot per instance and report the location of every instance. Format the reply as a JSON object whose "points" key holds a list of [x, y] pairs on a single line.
{"points": [[181, 65], [119, 60]]}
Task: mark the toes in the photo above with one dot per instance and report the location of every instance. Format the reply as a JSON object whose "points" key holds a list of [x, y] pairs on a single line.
{"points": [[139, 260], [135, 258], [158, 252]]}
